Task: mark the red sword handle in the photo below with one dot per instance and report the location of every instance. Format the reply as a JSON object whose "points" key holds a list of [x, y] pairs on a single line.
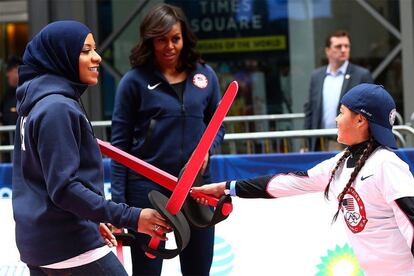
{"points": [[213, 201]]}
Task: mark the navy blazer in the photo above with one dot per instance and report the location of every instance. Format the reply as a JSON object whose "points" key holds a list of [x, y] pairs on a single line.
{"points": [[313, 107]]}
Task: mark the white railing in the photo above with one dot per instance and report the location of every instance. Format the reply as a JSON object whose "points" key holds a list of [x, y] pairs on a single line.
{"points": [[247, 141]]}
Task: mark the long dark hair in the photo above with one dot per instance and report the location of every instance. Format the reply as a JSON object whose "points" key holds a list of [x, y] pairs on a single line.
{"points": [[158, 22], [371, 146]]}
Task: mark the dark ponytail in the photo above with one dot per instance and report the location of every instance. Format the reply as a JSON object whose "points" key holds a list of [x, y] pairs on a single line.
{"points": [[340, 161]]}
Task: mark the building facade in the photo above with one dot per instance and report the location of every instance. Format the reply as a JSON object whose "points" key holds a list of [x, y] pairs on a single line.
{"points": [[269, 46]]}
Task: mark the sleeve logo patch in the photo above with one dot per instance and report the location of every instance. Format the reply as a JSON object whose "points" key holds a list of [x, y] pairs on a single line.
{"points": [[200, 80]]}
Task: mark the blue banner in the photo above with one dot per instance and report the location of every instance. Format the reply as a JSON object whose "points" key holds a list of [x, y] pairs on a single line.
{"points": [[227, 167]]}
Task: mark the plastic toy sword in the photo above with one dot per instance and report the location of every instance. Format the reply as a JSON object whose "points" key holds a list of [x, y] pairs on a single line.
{"points": [[181, 189]]}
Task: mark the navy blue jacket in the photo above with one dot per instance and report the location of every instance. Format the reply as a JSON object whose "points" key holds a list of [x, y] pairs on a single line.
{"points": [[156, 126], [58, 198]]}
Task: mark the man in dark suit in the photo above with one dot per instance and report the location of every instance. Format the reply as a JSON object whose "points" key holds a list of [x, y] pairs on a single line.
{"points": [[328, 84]]}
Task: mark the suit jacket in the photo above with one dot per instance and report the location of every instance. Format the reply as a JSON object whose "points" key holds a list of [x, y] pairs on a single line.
{"points": [[313, 108]]}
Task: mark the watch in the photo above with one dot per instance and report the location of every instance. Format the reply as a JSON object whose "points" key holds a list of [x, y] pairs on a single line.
{"points": [[230, 188], [227, 188]]}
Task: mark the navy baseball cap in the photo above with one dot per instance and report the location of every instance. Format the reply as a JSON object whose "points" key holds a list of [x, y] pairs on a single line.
{"points": [[376, 104]]}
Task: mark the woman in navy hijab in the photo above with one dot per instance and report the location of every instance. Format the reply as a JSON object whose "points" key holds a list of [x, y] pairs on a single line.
{"points": [[58, 197]]}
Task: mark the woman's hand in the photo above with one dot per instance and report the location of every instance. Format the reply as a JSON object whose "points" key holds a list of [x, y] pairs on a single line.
{"points": [[152, 223], [106, 234], [215, 189], [204, 165]]}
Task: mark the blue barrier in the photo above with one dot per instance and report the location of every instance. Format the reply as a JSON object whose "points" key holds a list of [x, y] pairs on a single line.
{"points": [[5, 180], [225, 167]]}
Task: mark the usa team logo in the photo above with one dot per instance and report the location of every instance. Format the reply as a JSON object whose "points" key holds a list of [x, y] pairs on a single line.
{"points": [[200, 80], [354, 211]]}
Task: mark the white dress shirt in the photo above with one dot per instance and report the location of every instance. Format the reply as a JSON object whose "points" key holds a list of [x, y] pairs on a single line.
{"points": [[331, 93]]}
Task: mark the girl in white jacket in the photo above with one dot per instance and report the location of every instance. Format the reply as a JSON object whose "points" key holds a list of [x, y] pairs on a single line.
{"points": [[373, 186]]}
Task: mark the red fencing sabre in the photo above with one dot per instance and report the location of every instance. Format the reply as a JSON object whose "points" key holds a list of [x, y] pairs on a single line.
{"points": [[171, 207], [151, 172], [186, 180]]}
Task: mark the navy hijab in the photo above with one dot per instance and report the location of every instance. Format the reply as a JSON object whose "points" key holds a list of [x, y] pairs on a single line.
{"points": [[55, 50]]}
